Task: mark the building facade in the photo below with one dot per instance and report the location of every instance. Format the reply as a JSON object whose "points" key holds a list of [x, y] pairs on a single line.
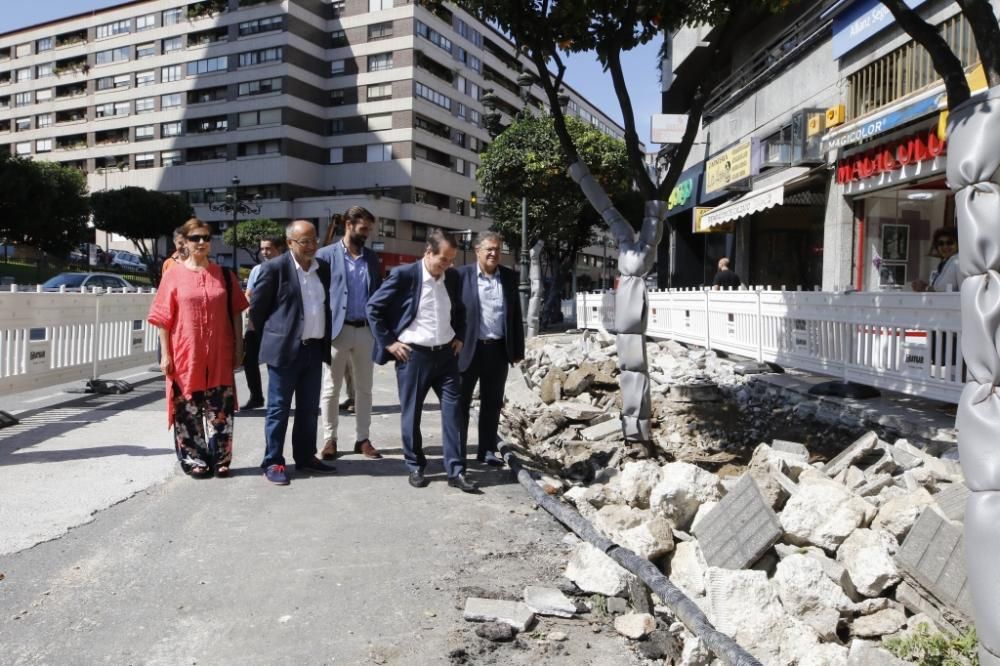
{"points": [[821, 159], [313, 105]]}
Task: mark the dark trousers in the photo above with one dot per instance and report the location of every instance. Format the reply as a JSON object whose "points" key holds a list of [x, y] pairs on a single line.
{"points": [[251, 366], [194, 448], [303, 379], [427, 370], [489, 367]]}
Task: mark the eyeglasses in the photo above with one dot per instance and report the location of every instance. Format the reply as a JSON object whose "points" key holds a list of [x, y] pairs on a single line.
{"points": [[199, 238], [304, 241], [945, 241], [490, 250]]}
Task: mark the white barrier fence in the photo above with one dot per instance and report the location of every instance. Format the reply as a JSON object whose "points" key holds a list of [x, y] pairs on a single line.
{"points": [[898, 341], [52, 338]]}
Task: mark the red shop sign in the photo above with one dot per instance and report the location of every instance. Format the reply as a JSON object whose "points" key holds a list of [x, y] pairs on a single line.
{"points": [[924, 145]]}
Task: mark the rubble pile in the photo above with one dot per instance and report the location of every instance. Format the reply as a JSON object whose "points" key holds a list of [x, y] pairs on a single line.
{"points": [[798, 558]]}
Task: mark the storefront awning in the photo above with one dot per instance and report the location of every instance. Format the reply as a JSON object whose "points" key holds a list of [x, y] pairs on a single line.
{"points": [[765, 195]]}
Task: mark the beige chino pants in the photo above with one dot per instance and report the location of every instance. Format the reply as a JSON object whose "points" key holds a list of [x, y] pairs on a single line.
{"points": [[354, 345]]}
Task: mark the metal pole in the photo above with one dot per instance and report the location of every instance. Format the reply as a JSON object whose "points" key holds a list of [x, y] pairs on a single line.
{"points": [[236, 247], [525, 287]]}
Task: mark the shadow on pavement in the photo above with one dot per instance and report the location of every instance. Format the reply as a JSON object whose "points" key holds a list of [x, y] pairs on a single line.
{"points": [[63, 455]]}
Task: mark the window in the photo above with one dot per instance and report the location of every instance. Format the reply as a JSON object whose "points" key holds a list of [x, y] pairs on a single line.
{"points": [[431, 95], [23, 148], [171, 73], [337, 97], [146, 78], [379, 152], [171, 101], [173, 16], [109, 110], [207, 153], [147, 50], [269, 147], [22, 50], [206, 95], [44, 44], [419, 232], [43, 70], [336, 156], [119, 54], [337, 126], [337, 6], [260, 87], [112, 82], [170, 129], [433, 36], [23, 74], [145, 160], [379, 62], [378, 5], [171, 158], [146, 22], [260, 57], [145, 105], [379, 91], [260, 25], [338, 67], [22, 124], [338, 38], [214, 124], [173, 44], [114, 28], [379, 31], [265, 117], [382, 121], [387, 227], [219, 64], [22, 99], [469, 33], [43, 95], [43, 120], [144, 133]]}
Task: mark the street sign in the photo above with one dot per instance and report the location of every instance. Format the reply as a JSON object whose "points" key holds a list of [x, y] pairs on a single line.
{"points": [[667, 127]]}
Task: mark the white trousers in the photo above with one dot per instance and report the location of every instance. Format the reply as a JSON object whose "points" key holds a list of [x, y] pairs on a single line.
{"points": [[353, 345]]}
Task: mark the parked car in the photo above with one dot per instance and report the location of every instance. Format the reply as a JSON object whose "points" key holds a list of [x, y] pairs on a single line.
{"points": [[86, 281], [128, 262]]}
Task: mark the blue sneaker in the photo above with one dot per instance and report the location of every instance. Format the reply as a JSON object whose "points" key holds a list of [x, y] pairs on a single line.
{"points": [[276, 475]]}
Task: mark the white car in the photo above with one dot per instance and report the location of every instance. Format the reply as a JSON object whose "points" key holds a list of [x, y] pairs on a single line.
{"points": [[128, 262]]}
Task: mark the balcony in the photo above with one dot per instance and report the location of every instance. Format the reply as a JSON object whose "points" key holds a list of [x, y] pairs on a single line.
{"points": [[208, 125], [111, 137], [71, 116], [68, 39], [71, 142], [71, 90], [434, 68], [206, 8], [70, 66], [432, 127], [205, 37]]}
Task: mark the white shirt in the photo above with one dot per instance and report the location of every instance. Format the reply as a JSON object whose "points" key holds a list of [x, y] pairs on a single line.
{"points": [[947, 276], [313, 301], [432, 324]]}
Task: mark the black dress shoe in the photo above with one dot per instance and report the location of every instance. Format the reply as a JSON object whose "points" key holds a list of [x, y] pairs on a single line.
{"points": [[490, 458], [459, 481], [253, 403], [417, 479]]}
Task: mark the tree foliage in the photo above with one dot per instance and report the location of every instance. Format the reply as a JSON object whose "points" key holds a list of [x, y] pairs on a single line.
{"points": [[250, 232], [43, 205], [140, 215]]}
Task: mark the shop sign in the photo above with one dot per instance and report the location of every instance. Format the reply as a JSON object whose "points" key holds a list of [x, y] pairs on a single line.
{"points": [[681, 194], [698, 226], [729, 167], [883, 123], [861, 22], [667, 128], [892, 156]]}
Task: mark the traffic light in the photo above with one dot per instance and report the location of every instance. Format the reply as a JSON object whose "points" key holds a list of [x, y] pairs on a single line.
{"points": [[473, 199]]}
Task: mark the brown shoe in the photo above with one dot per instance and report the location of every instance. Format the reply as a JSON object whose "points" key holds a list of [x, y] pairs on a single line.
{"points": [[366, 449], [329, 451]]}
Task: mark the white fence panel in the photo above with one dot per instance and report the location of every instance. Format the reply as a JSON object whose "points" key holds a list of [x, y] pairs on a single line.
{"points": [[898, 341], [52, 338]]}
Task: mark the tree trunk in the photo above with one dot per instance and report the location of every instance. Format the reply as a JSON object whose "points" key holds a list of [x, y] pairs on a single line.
{"points": [[535, 302], [987, 33]]}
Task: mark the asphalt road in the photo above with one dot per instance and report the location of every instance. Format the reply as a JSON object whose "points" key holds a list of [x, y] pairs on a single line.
{"points": [[109, 555]]}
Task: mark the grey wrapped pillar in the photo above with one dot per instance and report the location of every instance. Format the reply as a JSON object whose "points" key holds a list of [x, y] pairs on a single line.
{"points": [[973, 163], [636, 257], [535, 302]]}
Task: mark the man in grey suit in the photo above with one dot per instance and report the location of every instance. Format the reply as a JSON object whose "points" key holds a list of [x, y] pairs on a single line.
{"points": [[355, 274], [494, 340]]}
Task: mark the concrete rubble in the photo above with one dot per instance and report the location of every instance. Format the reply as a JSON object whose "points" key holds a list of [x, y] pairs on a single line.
{"points": [[812, 534]]}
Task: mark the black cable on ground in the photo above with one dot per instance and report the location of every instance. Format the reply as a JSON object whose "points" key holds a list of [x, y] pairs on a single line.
{"points": [[724, 647]]}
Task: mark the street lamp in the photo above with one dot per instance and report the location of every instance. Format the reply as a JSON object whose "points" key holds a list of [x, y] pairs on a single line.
{"points": [[233, 204]]}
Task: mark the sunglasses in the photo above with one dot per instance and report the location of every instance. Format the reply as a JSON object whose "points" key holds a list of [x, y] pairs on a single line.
{"points": [[200, 238], [945, 241]]}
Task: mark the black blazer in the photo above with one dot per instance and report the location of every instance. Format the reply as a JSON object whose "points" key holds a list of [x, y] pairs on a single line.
{"points": [[394, 306], [276, 310], [513, 322]]}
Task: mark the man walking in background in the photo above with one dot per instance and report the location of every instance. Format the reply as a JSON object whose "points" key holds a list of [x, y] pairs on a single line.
{"points": [[355, 274], [494, 340], [418, 319], [289, 308], [270, 247], [725, 278]]}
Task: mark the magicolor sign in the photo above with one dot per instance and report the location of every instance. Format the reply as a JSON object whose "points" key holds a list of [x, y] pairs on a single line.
{"points": [[883, 123], [925, 145]]}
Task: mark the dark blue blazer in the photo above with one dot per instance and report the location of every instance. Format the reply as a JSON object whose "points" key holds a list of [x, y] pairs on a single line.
{"points": [[333, 254], [513, 322], [276, 310], [394, 306]]}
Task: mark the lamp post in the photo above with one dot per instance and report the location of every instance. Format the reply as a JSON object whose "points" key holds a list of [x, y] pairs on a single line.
{"points": [[233, 204]]}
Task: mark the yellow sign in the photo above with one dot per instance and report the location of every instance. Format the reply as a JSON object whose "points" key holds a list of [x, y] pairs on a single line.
{"points": [[724, 228], [727, 168], [835, 115]]}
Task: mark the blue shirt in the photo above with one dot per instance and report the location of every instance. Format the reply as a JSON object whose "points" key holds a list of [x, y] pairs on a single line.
{"points": [[357, 286], [491, 306], [252, 280]]}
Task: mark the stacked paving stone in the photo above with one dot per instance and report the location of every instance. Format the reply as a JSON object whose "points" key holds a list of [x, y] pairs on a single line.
{"points": [[800, 561]]}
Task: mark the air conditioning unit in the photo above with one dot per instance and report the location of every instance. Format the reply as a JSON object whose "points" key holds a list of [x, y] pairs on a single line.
{"points": [[775, 154], [806, 143]]}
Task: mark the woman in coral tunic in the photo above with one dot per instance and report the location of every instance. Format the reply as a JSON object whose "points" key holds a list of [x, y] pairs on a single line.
{"points": [[201, 334]]}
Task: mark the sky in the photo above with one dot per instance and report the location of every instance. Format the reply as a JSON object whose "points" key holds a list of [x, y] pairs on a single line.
{"points": [[583, 72]]}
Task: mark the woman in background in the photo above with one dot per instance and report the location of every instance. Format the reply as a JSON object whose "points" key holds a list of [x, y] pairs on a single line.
{"points": [[944, 245]]}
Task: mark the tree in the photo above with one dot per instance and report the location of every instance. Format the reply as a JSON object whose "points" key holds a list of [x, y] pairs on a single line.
{"points": [[546, 29], [974, 144], [250, 233], [43, 205], [525, 160], [142, 216]]}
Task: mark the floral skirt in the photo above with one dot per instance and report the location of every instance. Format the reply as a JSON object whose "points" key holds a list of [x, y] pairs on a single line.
{"points": [[214, 406]]}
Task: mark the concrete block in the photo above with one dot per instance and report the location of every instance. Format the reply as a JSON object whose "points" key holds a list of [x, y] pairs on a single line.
{"points": [[514, 613], [856, 451], [548, 601], [933, 555], [952, 500], [602, 430], [740, 529]]}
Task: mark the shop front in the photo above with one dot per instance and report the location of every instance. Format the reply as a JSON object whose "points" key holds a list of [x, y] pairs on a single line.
{"points": [[681, 255]]}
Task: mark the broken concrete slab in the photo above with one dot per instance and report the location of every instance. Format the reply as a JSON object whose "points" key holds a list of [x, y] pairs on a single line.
{"points": [[870, 653], [867, 556], [857, 450], [593, 571], [951, 501], [602, 430], [740, 529], [877, 624], [513, 613], [635, 625], [933, 555], [548, 601], [793, 450], [823, 512]]}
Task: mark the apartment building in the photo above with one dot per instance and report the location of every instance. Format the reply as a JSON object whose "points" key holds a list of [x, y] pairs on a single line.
{"points": [[313, 105], [822, 153]]}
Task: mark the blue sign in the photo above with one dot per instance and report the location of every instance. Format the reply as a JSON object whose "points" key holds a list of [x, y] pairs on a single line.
{"points": [[860, 22], [883, 123]]}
